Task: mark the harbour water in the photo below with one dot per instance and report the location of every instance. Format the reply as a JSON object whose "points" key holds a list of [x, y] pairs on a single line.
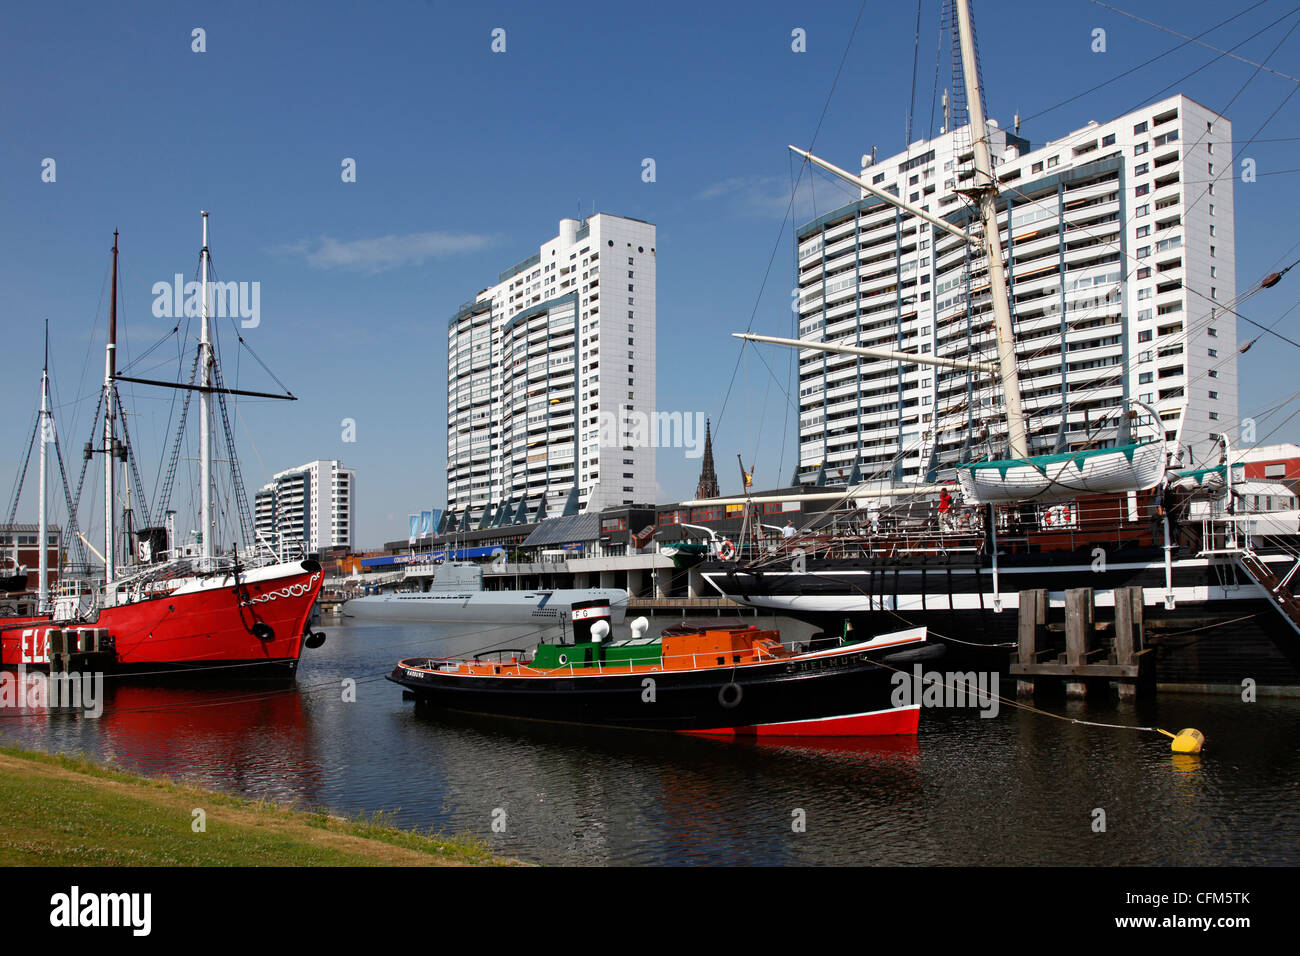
{"points": [[1015, 789]]}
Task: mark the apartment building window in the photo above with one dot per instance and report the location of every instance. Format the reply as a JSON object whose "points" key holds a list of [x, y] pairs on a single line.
{"points": [[1214, 394], [1142, 210], [1140, 148], [1146, 378], [1140, 170], [1144, 335], [1054, 161], [1214, 353], [1143, 232], [1036, 168], [1142, 190], [1144, 252], [1140, 128], [1144, 272], [1108, 140]]}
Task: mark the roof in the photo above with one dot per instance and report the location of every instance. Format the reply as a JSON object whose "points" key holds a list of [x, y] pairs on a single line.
{"points": [[1262, 488], [584, 527], [1265, 453]]}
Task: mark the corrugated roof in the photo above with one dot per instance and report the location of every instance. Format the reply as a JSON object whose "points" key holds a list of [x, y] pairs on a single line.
{"points": [[562, 530]]}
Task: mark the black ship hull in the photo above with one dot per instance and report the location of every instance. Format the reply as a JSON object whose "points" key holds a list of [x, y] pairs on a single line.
{"points": [[842, 691], [1219, 627]]}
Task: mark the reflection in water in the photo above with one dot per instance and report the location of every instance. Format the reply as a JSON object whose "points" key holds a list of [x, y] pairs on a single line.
{"points": [[1017, 789]]}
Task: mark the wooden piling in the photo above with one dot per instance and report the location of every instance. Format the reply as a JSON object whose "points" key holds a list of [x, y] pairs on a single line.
{"points": [[1078, 631]]}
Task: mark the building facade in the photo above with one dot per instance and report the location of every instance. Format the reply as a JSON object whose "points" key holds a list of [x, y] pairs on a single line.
{"points": [[1120, 250], [546, 369], [307, 509]]}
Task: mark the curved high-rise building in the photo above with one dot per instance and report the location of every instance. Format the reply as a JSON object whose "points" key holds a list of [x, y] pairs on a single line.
{"points": [[539, 366], [1119, 243]]}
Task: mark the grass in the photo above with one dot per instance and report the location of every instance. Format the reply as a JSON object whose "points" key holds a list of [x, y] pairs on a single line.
{"points": [[62, 810]]}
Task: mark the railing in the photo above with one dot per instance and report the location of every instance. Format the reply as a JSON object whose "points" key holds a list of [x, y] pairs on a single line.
{"points": [[522, 668], [919, 528]]}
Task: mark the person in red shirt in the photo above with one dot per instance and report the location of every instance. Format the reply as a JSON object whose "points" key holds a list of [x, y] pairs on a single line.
{"points": [[945, 509]]}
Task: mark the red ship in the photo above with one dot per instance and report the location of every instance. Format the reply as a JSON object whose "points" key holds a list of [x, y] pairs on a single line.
{"points": [[168, 609], [220, 625]]}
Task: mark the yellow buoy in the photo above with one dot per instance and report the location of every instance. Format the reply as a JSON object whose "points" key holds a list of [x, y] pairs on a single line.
{"points": [[1188, 741]]}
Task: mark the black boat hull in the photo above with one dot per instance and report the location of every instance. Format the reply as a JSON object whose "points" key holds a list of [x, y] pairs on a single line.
{"points": [[842, 691], [1221, 629]]}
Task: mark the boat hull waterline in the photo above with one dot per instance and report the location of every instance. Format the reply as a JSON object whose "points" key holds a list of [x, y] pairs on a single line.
{"points": [[844, 691]]}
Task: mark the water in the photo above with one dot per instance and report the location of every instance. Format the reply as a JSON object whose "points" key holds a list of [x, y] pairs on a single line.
{"points": [[1017, 789]]}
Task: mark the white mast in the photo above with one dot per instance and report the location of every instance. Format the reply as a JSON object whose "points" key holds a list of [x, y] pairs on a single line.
{"points": [[110, 370], [986, 192], [205, 414], [42, 522]]}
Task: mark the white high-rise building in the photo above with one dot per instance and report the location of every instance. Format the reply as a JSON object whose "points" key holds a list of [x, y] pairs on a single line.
{"points": [[309, 508], [541, 363], [1120, 250]]}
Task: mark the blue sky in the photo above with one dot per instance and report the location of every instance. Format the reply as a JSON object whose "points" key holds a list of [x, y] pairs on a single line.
{"points": [[466, 159]]}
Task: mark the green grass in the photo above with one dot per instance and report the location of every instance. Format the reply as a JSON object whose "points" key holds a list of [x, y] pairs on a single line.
{"points": [[61, 810]]}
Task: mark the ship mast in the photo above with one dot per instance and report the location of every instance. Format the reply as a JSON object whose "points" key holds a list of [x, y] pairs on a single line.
{"points": [[110, 371], [205, 414], [985, 191], [42, 521]]}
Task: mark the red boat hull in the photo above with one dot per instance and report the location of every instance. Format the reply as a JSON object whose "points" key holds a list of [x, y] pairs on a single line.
{"points": [[254, 630], [899, 720]]}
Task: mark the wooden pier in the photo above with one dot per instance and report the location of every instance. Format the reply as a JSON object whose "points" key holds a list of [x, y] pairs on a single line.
{"points": [[81, 651], [1095, 652]]}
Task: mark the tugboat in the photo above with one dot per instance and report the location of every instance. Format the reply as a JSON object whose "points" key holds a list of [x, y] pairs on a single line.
{"points": [[718, 678]]}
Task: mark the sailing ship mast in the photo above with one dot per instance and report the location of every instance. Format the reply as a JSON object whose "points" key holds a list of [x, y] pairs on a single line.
{"points": [[110, 372], [205, 414], [984, 191], [42, 519]]}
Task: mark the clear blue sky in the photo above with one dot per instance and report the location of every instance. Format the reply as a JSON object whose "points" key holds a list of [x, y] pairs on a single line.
{"points": [[466, 159]]}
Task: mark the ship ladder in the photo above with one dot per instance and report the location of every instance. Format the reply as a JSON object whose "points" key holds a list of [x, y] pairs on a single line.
{"points": [[1279, 594]]}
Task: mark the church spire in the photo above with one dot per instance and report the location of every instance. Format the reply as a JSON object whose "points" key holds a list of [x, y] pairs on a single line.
{"points": [[708, 486]]}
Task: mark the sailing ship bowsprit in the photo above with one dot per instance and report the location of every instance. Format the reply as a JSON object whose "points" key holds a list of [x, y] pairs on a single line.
{"points": [[1215, 581], [164, 608]]}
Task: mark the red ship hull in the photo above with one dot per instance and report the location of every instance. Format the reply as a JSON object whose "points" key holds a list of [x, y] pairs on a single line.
{"points": [[214, 631]]}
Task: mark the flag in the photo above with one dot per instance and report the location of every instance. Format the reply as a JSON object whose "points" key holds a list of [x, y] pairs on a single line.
{"points": [[749, 478]]}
